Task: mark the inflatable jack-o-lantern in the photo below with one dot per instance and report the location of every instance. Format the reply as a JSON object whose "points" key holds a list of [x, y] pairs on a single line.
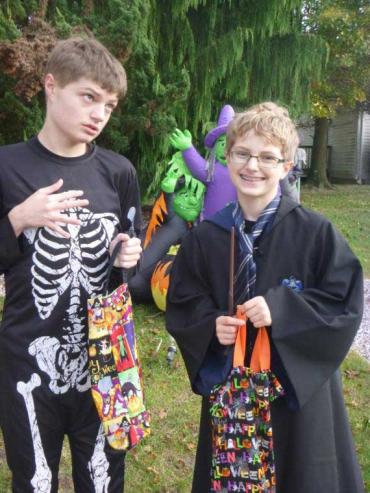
{"points": [[161, 278]]}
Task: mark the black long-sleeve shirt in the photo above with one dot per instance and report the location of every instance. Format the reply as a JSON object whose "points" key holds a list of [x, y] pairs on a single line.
{"points": [[48, 277]]}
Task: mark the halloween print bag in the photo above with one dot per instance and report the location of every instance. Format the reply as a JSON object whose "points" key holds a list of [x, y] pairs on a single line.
{"points": [[242, 441], [115, 370]]}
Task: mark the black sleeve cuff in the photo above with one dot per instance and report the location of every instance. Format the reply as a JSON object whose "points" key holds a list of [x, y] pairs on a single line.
{"points": [[9, 245]]}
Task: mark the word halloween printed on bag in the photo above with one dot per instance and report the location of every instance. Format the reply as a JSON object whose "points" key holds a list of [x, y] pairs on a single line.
{"points": [[240, 413], [115, 369]]}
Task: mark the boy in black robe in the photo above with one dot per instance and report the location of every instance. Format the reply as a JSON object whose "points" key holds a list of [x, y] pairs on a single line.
{"points": [[296, 275]]}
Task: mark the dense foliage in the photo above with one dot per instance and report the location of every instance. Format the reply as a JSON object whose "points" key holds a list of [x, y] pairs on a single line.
{"points": [[184, 58]]}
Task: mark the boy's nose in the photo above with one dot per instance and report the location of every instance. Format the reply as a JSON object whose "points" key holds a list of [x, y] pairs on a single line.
{"points": [[252, 163], [98, 112]]}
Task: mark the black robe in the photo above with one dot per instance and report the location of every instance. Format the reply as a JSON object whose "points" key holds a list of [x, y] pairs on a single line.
{"points": [[311, 333]]}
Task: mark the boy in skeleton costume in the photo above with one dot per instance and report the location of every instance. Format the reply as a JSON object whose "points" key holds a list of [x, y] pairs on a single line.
{"points": [[63, 201]]}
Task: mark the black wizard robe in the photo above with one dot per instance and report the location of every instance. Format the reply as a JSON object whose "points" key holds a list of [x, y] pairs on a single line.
{"points": [[313, 286]]}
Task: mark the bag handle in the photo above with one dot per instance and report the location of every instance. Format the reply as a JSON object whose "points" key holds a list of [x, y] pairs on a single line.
{"points": [[261, 354], [131, 232]]}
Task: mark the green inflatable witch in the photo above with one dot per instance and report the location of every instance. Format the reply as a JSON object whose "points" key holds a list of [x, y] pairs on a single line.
{"points": [[173, 214]]}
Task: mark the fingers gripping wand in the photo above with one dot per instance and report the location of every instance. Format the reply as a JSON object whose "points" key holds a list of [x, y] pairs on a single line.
{"points": [[131, 232], [131, 217]]}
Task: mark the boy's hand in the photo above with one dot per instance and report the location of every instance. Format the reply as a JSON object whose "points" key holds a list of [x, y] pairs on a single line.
{"points": [[181, 140], [257, 311], [129, 253], [44, 207], [226, 329]]}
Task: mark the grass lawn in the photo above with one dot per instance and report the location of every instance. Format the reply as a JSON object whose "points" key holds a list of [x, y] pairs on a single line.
{"points": [[164, 462], [348, 207]]}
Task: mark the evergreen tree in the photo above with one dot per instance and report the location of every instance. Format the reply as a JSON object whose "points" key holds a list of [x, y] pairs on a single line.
{"points": [[184, 59]]}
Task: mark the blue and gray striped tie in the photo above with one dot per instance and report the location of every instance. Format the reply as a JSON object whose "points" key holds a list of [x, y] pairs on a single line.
{"points": [[245, 277]]}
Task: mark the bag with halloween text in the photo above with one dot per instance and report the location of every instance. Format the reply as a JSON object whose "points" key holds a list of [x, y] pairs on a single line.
{"points": [[242, 442], [115, 370]]}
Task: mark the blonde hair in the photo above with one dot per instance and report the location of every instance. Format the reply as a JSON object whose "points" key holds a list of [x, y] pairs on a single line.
{"points": [[269, 121], [76, 58]]}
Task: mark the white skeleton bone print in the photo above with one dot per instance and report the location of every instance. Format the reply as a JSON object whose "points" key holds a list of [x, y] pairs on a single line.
{"points": [[99, 465], [65, 267], [41, 480]]}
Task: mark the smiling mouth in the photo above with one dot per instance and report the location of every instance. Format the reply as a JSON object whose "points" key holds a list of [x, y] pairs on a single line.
{"points": [[252, 179]]}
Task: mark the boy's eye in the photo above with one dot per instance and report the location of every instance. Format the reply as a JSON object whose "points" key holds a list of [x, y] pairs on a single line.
{"points": [[110, 107], [243, 155], [267, 158], [88, 97]]}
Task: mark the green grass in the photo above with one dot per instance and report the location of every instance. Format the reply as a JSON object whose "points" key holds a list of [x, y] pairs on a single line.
{"points": [[163, 463], [348, 207], [356, 382]]}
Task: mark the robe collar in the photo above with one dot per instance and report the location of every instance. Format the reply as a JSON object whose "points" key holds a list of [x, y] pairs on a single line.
{"points": [[224, 218]]}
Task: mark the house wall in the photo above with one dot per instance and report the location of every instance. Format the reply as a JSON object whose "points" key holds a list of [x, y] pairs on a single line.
{"points": [[349, 141], [364, 169], [343, 140]]}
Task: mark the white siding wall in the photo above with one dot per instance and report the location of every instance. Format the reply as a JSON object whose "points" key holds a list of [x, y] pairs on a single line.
{"points": [[365, 149], [306, 135], [344, 146], [347, 145]]}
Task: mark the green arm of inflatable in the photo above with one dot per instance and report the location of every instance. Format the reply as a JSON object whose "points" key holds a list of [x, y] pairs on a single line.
{"points": [[181, 140]]}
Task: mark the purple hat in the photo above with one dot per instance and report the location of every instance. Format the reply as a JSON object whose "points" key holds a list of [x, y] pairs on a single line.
{"points": [[225, 117]]}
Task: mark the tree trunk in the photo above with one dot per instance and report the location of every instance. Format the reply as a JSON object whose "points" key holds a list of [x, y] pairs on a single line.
{"points": [[43, 6], [87, 7], [319, 161]]}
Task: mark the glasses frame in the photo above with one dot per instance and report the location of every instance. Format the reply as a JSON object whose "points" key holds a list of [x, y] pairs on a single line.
{"points": [[258, 159]]}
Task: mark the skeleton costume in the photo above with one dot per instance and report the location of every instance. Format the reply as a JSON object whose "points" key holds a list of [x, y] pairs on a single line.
{"points": [[44, 380]]}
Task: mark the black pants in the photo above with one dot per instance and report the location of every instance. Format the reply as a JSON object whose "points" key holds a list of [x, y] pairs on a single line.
{"points": [[34, 433]]}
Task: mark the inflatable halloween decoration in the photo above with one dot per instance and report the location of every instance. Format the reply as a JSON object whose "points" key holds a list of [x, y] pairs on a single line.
{"points": [[176, 208], [161, 277], [188, 192], [212, 172]]}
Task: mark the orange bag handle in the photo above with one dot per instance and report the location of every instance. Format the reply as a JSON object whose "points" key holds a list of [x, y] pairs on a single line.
{"points": [[261, 354]]}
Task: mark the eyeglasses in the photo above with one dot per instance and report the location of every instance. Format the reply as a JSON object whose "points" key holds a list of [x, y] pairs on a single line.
{"points": [[241, 158]]}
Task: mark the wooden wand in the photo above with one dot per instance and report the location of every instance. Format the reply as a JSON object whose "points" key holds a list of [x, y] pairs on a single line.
{"points": [[231, 273]]}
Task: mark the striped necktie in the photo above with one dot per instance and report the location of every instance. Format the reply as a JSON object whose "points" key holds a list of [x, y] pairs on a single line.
{"points": [[245, 277]]}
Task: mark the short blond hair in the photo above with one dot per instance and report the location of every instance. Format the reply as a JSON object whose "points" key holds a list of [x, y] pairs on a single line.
{"points": [[269, 121], [76, 58]]}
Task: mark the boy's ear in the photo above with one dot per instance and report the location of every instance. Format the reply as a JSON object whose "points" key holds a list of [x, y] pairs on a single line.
{"points": [[49, 85], [287, 166]]}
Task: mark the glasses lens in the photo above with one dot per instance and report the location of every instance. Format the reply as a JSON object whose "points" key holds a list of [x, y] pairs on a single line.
{"points": [[269, 161], [239, 158]]}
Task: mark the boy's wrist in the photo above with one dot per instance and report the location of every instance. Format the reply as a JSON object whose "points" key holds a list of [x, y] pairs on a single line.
{"points": [[16, 219]]}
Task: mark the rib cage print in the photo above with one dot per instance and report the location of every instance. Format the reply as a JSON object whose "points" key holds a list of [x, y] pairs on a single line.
{"points": [[68, 267]]}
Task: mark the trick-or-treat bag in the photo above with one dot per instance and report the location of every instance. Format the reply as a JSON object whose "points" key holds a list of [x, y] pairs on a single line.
{"points": [[115, 370], [242, 441]]}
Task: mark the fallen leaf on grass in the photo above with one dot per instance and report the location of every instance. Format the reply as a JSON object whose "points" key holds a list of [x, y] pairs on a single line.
{"points": [[181, 463], [190, 445], [351, 373], [353, 403], [152, 470], [163, 413]]}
